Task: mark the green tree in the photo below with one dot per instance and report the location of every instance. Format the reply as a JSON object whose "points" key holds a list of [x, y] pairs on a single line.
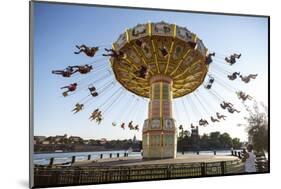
{"points": [[214, 139], [204, 141], [236, 144], [257, 126], [225, 140]]}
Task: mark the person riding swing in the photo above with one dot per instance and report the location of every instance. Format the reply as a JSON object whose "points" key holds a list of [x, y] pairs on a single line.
{"points": [[233, 76], [65, 73], [70, 88], [214, 119], [220, 116], [130, 125], [163, 51], [83, 69], [225, 105], [243, 96], [114, 54], [137, 128], [232, 59], [123, 125], [203, 122], [94, 114], [142, 72], [232, 110], [246, 79], [99, 119], [78, 108], [89, 51], [209, 59]]}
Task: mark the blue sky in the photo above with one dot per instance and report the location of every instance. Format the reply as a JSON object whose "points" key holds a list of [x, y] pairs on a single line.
{"points": [[58, 28]]}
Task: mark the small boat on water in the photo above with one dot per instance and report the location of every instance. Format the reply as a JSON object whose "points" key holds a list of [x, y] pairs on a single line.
{"points": [[58, 151]]}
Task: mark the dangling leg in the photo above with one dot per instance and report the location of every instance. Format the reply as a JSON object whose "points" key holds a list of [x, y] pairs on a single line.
{"points": [[59, 72], [253, 76], [227, 59], [236, 111], [222, 106], [83, 46], [108, 50], [237, 55], [108, 55], [78, 52]]}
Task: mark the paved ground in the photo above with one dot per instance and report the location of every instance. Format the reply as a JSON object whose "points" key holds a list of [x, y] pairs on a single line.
{"points": [[127, 161]]}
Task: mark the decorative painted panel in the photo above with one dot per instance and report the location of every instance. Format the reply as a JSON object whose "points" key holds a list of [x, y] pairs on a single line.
{"points": [[155, 123], [169, 123]]}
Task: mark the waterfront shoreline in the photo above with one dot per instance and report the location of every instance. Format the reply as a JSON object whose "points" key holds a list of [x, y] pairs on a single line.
{"points": [[54, 152]]}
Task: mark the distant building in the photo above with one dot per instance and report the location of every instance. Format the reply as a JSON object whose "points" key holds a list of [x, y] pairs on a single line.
{"points": [[75, 139], [134, 139], [195, 138], [86, 141], [103, 141], [46, 142], [39, 139], [60, 139]]}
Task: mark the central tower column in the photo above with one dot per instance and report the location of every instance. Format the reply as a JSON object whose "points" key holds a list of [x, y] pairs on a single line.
{"points": [[159, 139]]}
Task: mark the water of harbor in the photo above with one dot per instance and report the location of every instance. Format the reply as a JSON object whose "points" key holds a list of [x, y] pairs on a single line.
{"points": [[62, 157]]}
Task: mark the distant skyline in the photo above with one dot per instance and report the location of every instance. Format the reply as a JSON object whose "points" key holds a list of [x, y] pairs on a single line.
{"points": [[58, 28]]}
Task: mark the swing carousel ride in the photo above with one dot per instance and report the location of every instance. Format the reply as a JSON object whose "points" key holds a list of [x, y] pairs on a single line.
{"points": [[159, 62]]}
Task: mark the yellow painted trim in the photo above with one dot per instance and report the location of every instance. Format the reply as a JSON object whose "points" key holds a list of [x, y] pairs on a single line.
{"points": [[127, 36], [127, 60], [161, 104], [148, 146], [175, 31], [186, 69], [161, 144], [180, 62], [170, 92], [131, 74], [110, 64], [207, 51], [155, 56], [195, 38], [140, 55], [134, 82], [149, 29], [152, 98], [150, 92], [171, 48], [169, 57], [149, 109], [150, 103]]}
